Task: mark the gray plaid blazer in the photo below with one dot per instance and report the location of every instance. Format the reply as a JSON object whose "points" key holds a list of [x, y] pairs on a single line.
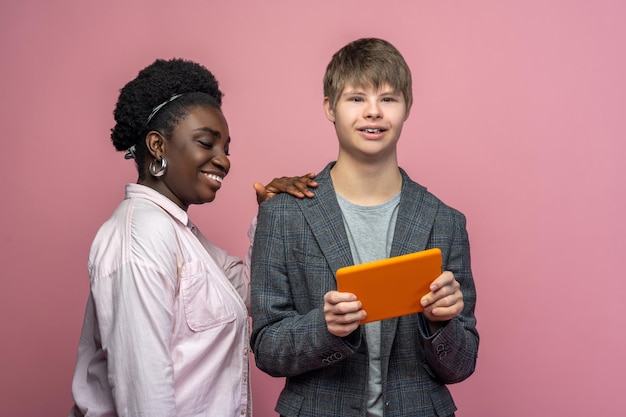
{"points": [[298, 246]]}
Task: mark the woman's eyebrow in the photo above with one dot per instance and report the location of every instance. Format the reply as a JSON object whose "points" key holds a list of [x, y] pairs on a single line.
{"points": [[214, 132]]}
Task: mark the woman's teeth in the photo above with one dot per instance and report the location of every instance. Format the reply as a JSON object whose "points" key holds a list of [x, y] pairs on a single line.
{"points": [[214, 177]]}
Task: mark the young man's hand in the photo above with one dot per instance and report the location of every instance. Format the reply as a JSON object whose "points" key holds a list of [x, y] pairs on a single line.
{"points": [[444, 301], [342, 312], [296, 186]]}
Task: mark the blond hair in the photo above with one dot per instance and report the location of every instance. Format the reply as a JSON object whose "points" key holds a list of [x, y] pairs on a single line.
{"points": [[367, 62]]}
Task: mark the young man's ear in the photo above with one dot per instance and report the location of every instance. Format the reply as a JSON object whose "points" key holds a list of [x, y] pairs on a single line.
{"points": [[330, 112], [155, 142], [407, 113], [407, 107]]}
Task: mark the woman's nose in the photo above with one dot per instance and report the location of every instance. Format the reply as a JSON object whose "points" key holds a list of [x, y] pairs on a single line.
{"points": [[222, 161]]}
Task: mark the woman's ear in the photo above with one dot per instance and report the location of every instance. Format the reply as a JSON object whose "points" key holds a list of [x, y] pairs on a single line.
{"points": [[155, 144], [330, 112]]}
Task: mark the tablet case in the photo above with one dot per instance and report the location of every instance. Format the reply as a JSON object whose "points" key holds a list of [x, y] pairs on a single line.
{"points": [[391, 287]]}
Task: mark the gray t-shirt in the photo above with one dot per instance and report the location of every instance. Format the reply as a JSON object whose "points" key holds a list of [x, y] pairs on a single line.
{"points": [[370, 234]]}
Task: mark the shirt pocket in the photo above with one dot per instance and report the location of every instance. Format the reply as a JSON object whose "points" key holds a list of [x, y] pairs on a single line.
{"points": [[206, 302]]}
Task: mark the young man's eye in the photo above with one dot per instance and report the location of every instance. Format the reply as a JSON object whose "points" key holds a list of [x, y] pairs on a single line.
{"points": [[356, 99]]}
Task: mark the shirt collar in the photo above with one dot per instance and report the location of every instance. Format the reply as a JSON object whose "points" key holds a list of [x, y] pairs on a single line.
{"points": [[150, 194]]}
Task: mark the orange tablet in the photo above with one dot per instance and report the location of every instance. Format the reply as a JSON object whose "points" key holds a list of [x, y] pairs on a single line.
{"points": [[391, 287]]}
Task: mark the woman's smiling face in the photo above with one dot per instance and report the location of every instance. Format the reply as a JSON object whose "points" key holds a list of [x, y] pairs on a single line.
{"points": [[197, 157]]}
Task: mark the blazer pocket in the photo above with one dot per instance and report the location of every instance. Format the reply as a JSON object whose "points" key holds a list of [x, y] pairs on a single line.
{"points": [[289, 403], [442, 401], [203, 299]]}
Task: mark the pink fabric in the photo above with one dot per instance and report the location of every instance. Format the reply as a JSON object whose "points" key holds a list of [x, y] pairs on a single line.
{"points": [[166, 330]]}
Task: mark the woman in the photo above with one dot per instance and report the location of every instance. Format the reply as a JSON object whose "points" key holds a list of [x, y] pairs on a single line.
{"points": [[166, 327]]}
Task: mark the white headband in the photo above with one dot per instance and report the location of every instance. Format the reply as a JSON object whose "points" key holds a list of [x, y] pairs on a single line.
{"points": [[130, 152], [160, 106]]}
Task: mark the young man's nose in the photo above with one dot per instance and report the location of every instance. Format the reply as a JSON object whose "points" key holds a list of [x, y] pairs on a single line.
{"points": [[373, 109]]}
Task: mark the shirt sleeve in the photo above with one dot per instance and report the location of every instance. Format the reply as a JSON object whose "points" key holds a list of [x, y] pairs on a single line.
{"points": [[135, 307]]}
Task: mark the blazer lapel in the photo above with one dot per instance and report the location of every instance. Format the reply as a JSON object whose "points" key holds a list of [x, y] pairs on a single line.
{"points": [[416, 216], [323, 215]]}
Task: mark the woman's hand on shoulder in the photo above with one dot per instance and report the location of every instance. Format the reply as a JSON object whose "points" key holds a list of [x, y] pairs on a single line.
{"points": [[296, 186]]}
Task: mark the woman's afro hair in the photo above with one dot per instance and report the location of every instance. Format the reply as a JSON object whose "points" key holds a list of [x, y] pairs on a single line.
{"points": [[154, 85]]}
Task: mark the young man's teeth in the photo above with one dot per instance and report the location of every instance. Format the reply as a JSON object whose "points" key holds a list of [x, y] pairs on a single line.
{"points": [[372, 130], [215, 177]]}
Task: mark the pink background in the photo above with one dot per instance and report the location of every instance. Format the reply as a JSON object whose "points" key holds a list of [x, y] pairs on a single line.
{"points": [[518, 122]]}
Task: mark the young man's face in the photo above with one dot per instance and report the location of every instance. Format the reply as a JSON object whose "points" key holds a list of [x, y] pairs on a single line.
{"points": [[368, 121]]}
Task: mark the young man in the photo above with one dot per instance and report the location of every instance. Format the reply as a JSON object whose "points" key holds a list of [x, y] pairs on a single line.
{"points": [[366, 208]]}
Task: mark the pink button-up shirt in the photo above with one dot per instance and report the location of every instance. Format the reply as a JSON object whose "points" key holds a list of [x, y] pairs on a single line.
{"points": [[166, 328]]}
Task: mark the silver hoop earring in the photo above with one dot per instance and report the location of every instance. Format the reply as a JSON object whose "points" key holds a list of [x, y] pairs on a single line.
{"points": [[158, 171]]}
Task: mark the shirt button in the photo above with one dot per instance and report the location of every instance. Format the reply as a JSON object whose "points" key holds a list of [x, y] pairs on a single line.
{"points": [[245, 378], [245, 351], [243, 412]]}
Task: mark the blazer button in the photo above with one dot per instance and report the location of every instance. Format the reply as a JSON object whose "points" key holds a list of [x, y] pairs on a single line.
{"points": [[334, 357], [442, 351]]}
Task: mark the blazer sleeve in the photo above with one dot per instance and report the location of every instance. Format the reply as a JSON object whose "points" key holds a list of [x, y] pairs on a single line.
{"points": [[289, 277], [452, 351]]}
